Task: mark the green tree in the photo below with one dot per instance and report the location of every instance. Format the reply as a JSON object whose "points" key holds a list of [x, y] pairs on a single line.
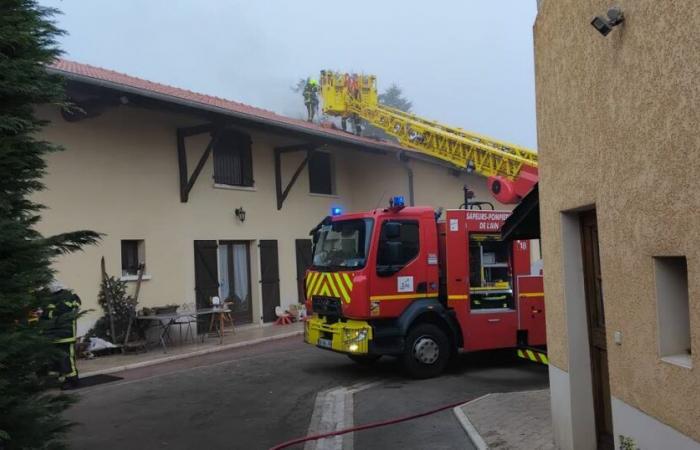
{"points": [[30, 417], [394, 98], [298, 87]]}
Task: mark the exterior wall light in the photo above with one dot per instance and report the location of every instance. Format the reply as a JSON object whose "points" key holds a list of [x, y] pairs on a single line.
{"points": [[240, 214], [605, 26]]}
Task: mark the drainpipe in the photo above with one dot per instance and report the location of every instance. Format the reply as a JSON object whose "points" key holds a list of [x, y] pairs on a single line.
{"points": [[403, 159]]}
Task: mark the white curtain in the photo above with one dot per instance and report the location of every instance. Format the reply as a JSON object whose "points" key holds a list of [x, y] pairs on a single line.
{"points": [[240, 274], [224, 286]]}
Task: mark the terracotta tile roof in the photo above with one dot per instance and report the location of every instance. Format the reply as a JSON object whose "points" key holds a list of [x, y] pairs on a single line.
{"points": [[91, 74]]}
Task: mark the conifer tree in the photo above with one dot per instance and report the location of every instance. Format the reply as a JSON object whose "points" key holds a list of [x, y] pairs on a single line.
{"points": [[30, 415]]}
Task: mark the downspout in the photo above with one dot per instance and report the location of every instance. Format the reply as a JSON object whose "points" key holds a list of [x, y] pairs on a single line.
{"points": [[403, 159]]}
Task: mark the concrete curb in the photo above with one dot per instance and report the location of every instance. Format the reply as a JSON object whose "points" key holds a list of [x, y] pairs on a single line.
{"points": [[204, 351], [469, 428]]}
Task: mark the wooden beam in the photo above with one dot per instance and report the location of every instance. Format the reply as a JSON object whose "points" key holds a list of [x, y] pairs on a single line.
{"points": [[182, 165], [278, 177], [200, 165], [282, 194]]}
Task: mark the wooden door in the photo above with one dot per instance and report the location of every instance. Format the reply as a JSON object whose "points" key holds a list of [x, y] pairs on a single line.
{"points": [[303, 252], [269, 279], [206, 280], [595, 311]]}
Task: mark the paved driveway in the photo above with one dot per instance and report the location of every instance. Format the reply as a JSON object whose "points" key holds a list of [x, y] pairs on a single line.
{"points": [[255, 397]]}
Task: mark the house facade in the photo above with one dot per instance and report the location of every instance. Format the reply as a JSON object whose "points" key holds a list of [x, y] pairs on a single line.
{"points": [[214, 197], [618, 140]]}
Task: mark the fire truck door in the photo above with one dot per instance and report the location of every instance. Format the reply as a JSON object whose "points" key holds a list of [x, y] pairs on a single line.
{"points": [[400, 270]]}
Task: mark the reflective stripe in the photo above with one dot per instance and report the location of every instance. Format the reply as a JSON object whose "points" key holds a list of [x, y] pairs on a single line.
{"points": [[534, 356], [309, 283], [531, 294], [348, 281], [73, 368], [332, 284], [329, 284], [458, 297], [317, 283], [341, 287], [401, 296]]}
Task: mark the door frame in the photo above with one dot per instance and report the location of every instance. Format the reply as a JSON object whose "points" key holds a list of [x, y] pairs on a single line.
{"points": [[238, 318], [595, 322]]}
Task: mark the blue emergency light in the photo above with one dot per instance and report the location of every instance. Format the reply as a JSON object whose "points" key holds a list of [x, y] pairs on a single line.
{"points": [[336, 211], [397, 201]]}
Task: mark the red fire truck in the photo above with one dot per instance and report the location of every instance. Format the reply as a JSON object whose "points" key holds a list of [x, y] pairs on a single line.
{"points": [[400, 281]]}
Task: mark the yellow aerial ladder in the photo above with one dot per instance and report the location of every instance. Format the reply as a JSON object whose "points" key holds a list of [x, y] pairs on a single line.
{"points": [[511, 170]]}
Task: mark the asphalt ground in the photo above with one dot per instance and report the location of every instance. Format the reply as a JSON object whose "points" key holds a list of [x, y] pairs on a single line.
{"points": [[255, 397]]}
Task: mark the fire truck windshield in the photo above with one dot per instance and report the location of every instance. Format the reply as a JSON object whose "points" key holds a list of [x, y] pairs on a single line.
{"points": [[342, 245]]}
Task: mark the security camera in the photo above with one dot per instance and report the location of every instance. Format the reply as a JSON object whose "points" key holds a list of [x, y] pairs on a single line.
{"points": [[605, 25]]}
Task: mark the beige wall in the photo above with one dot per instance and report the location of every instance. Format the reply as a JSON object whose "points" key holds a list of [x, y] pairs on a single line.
{"points": [[119, 176], [618, 129]]}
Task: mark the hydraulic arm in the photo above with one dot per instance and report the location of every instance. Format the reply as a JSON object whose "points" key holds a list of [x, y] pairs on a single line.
{"points": [[511, 169]]}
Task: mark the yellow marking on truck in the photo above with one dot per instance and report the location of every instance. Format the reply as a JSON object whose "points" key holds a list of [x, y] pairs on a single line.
{"points": [[458, 297], [534, 356], [310, 283], [339, 282], [330, 283], [348, 281], [402, 296], [531, 294], [317, 284], [336, 284]]}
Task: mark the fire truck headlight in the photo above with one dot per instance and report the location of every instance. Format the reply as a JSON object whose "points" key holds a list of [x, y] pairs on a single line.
{"points": [[355, 336]]}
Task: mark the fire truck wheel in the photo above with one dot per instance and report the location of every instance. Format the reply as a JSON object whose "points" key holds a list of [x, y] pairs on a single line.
{"points": [[427, 351], [365, 360]]}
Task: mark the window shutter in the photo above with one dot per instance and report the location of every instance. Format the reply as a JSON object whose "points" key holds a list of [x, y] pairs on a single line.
{"points": [[233, 161], [246, 153], [321, 173]]}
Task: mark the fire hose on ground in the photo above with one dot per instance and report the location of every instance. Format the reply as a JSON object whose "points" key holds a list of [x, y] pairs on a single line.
{"points": [[366, 426]]}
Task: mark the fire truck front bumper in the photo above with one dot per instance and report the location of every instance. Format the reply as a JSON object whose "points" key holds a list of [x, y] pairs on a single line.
{"points": [[351, 336]]}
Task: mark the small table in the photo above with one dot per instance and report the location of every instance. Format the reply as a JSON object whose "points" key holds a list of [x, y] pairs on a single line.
{"points": [[222, 312], [165, 321]]}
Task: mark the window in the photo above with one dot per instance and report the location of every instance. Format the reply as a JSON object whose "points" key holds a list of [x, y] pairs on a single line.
{"points": [[133, 254], [321, 173], [673, 309], [399, 243], [343, 244], [233, 161]]}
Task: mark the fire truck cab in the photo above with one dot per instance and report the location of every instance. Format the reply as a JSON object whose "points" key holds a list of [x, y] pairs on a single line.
{"points": [[400, 281]]}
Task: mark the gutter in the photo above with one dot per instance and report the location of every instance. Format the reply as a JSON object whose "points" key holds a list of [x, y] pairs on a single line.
{"points": [[403, 159]]}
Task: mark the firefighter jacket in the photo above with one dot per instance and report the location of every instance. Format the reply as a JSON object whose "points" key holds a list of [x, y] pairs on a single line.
{"points": [[61, 316], [310, 93]]}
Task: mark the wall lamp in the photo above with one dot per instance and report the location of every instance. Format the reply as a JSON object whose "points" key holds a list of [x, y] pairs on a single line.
{"points": [[605, 26], [240, 214]]}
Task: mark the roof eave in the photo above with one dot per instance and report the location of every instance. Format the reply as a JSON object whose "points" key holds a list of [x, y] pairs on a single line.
{"points": [[216, 109]]}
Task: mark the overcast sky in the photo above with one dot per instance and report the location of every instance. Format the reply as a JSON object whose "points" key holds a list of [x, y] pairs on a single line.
{"points": [[466, 63]]}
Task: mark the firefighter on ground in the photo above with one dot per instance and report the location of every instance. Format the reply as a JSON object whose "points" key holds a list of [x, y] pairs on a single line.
{"points": [[61, 316], [311, 98]]}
